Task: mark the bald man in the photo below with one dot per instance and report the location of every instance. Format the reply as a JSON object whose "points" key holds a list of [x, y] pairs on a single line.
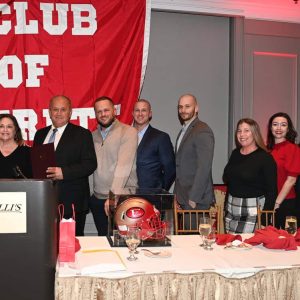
{"points": [[75, 158], [194, 156]]}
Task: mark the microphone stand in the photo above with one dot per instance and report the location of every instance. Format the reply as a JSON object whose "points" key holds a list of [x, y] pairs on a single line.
{"points": [[18, 173]]}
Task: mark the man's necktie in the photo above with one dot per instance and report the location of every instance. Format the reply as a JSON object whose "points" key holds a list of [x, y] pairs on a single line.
{"points": [[52, 137]]}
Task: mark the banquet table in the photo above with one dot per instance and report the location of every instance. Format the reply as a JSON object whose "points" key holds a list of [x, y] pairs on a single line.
{"points": [[190, 272]]}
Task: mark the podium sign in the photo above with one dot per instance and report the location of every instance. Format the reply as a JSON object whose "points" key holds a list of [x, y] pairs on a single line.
{"points": [[13, 212], [28, 240]]}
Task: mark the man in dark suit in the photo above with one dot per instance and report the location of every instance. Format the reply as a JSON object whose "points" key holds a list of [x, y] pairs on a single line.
{"points": [[155, 154], [194, 156], [75, 159]]}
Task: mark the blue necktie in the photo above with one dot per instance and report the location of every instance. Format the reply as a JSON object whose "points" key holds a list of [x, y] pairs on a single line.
{"points": [[52, 137]]}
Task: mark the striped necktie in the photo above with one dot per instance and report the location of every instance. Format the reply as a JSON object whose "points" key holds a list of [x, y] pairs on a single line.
{"points": [[52, 137]]}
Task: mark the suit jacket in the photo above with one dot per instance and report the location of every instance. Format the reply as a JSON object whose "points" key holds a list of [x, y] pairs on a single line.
{"points": [[155, 160], [194, 166], [75, 155]]}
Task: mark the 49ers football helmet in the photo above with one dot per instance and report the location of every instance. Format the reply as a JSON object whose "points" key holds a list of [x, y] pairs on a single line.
{"points": [[138, 212]]}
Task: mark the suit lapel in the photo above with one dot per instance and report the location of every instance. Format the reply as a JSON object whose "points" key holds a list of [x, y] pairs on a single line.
{"points": [[187, 133], [66, 134], [146, 136], [43, 135]]}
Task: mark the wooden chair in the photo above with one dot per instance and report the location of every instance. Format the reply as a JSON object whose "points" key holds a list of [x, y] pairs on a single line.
{"points": [[265, 218], [187, 221], [220, 195]]}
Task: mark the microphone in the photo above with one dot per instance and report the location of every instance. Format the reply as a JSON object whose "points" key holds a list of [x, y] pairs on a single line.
{"points": [[18, 173]]}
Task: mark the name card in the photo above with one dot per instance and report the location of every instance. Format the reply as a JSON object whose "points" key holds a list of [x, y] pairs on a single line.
{"points": [[13, 212]]}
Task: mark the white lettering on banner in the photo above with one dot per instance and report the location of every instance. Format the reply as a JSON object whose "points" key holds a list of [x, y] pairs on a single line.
{"points": [[84, 114], [16, 64], [6, 25], [62, 25], [83, 24], [79, 19], [27, 118], [22, 27], [17, 74], [33, 70], [13, 212]]}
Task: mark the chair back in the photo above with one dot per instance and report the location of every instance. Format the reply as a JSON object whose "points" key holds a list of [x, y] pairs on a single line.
{"points": [[265, 218], [187, 220]]}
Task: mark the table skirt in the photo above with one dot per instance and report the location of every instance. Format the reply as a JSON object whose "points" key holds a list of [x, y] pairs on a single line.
{"points": [[265, 285]]}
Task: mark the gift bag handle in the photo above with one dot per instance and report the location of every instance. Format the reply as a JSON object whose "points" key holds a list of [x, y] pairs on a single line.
{"points": [[61, 210]]}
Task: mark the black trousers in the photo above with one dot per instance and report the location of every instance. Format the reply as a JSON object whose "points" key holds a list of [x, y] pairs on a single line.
{"points": [[100, 219], [287, 208]]}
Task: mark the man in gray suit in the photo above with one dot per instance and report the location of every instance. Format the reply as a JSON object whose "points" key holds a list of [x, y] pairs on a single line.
{"points": [[194, 156]]}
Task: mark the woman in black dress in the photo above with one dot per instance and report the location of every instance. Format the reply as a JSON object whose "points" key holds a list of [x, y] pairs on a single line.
{"points": [[14, 154]]}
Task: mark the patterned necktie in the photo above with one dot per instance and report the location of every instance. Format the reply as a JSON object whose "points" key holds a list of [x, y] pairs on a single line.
{"points": [[52, 137]]}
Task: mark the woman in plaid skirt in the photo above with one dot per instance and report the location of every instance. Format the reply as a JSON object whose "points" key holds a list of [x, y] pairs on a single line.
{"points": [[251, 177]]}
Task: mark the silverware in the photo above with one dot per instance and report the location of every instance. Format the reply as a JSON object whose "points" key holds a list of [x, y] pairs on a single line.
{"points": [[152, 252]]}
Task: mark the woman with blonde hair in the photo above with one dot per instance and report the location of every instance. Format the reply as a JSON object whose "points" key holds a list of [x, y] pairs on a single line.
{"points": [[250, 175]]}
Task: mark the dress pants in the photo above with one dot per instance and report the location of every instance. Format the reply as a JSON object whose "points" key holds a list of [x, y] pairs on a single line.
{"points": [[100, 219]]}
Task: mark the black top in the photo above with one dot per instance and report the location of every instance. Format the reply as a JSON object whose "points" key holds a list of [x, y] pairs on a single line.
{"points": [[21, 158], [252, 175]]}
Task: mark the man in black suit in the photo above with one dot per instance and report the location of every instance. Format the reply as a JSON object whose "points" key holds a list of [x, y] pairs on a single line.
{"points": [[75, 159], [155, 154], [194, 156]]}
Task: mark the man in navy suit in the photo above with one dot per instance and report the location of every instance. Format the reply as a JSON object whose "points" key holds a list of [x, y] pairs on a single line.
{"points": [[75, 159], [155, 155]]}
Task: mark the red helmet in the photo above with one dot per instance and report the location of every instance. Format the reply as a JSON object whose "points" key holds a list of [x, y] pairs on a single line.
{"points": [[142, 214]]}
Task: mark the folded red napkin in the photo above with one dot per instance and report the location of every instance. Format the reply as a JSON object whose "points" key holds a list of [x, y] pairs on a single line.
{"points": [[273, 238], [223, 239], [77, 245], [297, 237]]}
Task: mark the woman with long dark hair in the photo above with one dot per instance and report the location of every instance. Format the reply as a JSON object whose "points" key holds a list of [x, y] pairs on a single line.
{"points": [[14, 154], [250, 175], [281, 142]]}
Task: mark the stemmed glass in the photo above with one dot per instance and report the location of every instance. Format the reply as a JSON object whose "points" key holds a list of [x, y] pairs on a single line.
{"points": [[132, 239], [210, 239], [204, 230]]}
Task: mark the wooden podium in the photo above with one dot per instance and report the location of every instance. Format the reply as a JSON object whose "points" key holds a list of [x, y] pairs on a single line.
{"points": [[28, 256]]}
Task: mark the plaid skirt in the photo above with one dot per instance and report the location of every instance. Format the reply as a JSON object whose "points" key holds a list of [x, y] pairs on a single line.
{"points": [[241, 214]]}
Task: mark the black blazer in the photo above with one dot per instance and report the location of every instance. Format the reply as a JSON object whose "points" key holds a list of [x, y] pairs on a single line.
{"points": [[155, 160], [75, 155]]}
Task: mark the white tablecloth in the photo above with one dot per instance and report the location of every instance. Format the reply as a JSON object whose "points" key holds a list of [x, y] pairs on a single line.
{"points": [[187, 258]]}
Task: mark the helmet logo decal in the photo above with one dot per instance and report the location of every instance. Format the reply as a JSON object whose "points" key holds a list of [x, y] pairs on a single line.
{"points": [[135, 212]]}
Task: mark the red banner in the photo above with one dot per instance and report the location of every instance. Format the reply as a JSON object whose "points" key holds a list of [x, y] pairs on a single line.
{"points": [[82, 49]]}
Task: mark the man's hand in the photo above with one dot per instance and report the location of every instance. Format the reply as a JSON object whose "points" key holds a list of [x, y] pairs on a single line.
{"points": [[106, 207], [54, 173], [192, 204]]}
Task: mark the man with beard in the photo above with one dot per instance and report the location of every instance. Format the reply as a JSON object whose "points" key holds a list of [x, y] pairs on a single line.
{"points": [[115, 145], [194, 156]]}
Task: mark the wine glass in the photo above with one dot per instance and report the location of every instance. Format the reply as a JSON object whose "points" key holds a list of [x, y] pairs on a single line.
{"points": [[210, 239], [132, 241], [291, 224], [204, 229]]}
